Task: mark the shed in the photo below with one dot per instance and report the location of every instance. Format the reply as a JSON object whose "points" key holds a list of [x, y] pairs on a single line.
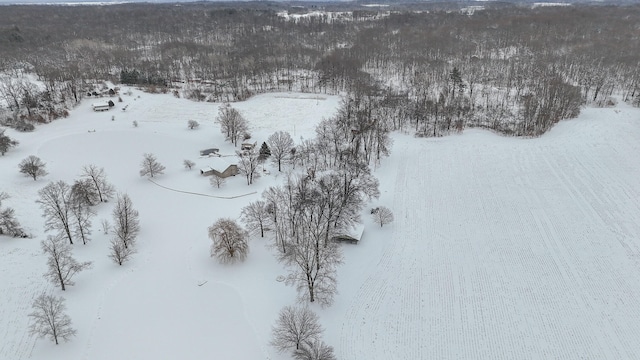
{"points": [[351, 235], [207, 152], [100, 106]]}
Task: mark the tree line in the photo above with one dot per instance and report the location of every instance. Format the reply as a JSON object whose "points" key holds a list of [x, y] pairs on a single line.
{"points": [[511, 68]]}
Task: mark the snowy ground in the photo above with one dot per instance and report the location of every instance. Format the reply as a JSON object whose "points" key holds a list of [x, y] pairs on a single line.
{"points": [[502, 248]]}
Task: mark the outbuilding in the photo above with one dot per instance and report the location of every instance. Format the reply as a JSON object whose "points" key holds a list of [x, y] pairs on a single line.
{"points": [[100, 106], [351, 235], [208, 152]]}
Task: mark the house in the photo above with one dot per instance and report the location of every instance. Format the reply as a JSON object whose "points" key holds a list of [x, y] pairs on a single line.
{"points": [[351, 235], [208, 152], [247, 146], [100, 106], [230, 169]]}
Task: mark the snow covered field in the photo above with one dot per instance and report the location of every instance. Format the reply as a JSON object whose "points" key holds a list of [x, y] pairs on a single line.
{"points": [[502, 248]]}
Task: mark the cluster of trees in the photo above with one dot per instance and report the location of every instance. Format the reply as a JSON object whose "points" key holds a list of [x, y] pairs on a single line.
{"points": [[67, 210], [432, 72], [303, 215]]}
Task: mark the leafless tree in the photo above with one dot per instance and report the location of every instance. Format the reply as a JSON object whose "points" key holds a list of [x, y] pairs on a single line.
{"points": [[61, 266], [125, 218], [55, 201], [230, 241], [248, 163], [192, 124], [382, 216], [49, 319], [314, 350], [105, 226], [188, 164], [10, 91], [6, 143], [294, 326], [217, 181], [81, 215], [312, 268], [83, 191], [8, 223], [33, 166], [98, 178], [255, 216], [280, 144], [232, 124], [118, 252], [150, 166]]}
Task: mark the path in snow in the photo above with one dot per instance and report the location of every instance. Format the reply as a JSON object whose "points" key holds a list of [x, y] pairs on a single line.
{"points": [[506, 248]]}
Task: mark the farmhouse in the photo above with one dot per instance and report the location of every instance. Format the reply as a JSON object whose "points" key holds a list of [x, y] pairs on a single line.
{"points": [[100, 106], [217, 166], [351, 235]]}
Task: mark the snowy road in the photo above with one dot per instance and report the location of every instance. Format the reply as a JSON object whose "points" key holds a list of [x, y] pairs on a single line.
{"points": [[508, 248]]}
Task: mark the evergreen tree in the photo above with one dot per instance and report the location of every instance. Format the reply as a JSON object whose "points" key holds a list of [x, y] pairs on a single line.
{"points": [[265, 152]]}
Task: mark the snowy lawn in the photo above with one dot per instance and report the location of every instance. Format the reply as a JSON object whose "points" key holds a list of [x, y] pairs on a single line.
{"points": [[501, 248]]}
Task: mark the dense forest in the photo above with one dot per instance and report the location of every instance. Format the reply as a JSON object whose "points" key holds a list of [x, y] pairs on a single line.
{"points": [[427, 68]]}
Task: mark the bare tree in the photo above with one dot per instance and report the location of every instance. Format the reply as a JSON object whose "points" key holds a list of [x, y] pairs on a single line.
{"points": [[98, 178], [313, 268], [10, 90], [127, 224], [192, 124], [217, 181], [294, 326], [49, 319], [118, 252], [150, 166], [188, 164], [83, 191], [255, 216], [33, 166], [229, 241], [8, 223], [81, 215], [105, 226], [314, 350], [125, 217], [382, 215], [61, 266], [232, 124], [6, 143], [280, 144], [248, 163], [55, 201]]}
